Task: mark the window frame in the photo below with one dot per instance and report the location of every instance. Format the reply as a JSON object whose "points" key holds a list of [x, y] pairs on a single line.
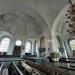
{"points": [[69, 43], [30, 46], [1, 42], [20, 41]]}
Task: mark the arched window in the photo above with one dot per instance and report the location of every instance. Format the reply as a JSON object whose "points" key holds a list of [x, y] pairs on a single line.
{"points": [[72, 44], [28, 47], [18, 43], [37, 52], [4, 44], [36, 46]]}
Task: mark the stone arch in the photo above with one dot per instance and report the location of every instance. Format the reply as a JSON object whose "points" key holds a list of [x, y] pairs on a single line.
{"points": [[54, 33]]}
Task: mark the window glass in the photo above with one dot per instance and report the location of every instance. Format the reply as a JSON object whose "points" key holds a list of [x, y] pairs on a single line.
{"points": [[28, 47], [72, 44], [4, 44], [36, 45], [36, 48], [18, 43]]}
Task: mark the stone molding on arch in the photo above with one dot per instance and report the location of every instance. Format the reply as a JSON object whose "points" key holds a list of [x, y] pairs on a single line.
{"points": [[5, 34], [58, 19]]}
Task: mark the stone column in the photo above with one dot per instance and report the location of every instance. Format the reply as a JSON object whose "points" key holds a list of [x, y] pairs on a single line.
{"points": [[33, 42]]}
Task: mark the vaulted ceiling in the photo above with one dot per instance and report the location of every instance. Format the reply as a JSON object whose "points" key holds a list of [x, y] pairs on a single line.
{"points": [[21, 25], [29, 18]]}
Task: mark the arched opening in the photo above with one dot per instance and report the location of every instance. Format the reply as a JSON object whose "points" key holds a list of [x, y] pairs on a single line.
{"points": [[58, 29], [17, 48], [4, 45], [28, 47], [72, 44]]}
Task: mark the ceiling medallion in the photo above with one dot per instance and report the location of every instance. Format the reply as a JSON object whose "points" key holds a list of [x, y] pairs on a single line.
{"points": [[8, 17]]}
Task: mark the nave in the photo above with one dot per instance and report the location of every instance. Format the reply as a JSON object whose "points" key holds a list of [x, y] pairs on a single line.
{"points": [[11, 65], [37, 37]]}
